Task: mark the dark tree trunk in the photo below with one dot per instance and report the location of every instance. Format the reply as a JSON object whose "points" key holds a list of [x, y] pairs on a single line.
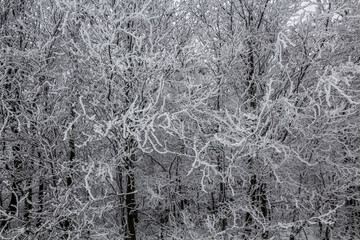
{"points": [[28, 203], [40, 202], [66, 223], [130, 202], [72, 152], [222, 193]]}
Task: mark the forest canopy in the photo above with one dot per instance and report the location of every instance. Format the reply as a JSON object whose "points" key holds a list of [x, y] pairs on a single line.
{"points": [[180, 119]]}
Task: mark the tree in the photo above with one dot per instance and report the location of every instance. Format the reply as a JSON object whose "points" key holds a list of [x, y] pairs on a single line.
{"points": [[179, 119]]}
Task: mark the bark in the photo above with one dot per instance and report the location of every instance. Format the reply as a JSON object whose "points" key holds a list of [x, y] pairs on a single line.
{"points": [[40, 203], [131, 213]]}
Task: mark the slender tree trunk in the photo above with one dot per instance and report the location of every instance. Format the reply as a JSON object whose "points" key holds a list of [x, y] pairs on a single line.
{"points": [[72, 151], [66, 224], [28, 203], [130, 202], [40, 202], [222, 193], [257, 189], [13, 204]]}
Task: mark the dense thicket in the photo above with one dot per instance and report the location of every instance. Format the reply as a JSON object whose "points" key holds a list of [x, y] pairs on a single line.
{"points": [[158, 119]]}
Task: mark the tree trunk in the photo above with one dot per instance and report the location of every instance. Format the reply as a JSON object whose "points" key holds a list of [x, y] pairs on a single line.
{"points": [[131, 214]]}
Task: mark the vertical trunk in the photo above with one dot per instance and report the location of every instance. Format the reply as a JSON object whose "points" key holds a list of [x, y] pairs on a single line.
{"points": [[213, 206], [71, 159], [327, 233], [72, 151], [2, 220], [263, 205], [221, 162], [222, 193], [130, 202], [40, 193], [257, 192], [353, 218], [131, 214], [257, 188], [252, 193], [66, 224], [29, 195], [13, 204], [121, 197], [250, 80], [28, 203], [40, 202], [28, 207]]}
